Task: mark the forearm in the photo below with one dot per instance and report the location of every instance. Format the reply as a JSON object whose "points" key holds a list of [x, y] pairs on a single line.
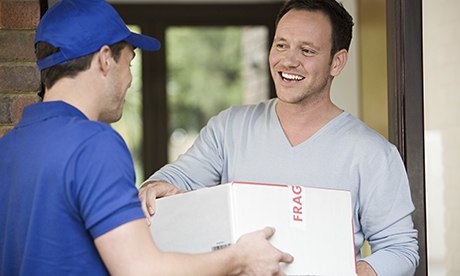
{"points": [[171, 173], [130, 250], [200, 166], [386, 218], [223, 262], [387, 263], [394, 249]]}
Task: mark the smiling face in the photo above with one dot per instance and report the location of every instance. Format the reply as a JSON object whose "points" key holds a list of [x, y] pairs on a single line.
{"points": [[300, 60]]}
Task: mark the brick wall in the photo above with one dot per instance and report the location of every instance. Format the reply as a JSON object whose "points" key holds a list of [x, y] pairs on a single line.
{"points": [[19, 77]]}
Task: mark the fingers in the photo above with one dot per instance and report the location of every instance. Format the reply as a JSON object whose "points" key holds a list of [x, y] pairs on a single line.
{"points": [[182, 191], [261, 257], [280, 273], [286, 258], [150, 192], [147, 197], [144, 204], [146, 214], [150, 197], [268, 232]]}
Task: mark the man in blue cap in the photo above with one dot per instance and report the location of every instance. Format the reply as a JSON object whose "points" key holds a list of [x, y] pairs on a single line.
{"points": [[68, 203]]}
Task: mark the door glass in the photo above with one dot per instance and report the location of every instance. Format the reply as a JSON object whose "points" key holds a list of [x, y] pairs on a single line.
{"points": [[442, 132], [210, 69]]}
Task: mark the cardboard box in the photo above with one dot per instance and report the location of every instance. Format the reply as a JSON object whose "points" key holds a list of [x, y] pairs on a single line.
{"points": [[312, 224]]}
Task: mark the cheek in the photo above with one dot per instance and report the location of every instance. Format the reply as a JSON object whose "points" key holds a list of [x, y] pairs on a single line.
{"points": [[127, 76], [273, 58], [130, 76]]}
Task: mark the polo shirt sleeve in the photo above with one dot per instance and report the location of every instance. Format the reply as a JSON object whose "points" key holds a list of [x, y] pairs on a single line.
{"points": [[103, 188]]}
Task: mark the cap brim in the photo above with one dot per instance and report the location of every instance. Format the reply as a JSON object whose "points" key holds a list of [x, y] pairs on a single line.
{"points": [[144, 42]]}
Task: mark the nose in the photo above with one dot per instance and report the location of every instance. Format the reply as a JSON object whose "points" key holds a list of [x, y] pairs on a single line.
{"points": [[290, 58]]}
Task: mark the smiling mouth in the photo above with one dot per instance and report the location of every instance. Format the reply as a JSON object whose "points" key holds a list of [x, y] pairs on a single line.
{"points": [[290, 77]]}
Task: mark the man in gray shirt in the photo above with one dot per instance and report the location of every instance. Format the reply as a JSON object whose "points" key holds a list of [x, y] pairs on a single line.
{"points": [[303, 138]]}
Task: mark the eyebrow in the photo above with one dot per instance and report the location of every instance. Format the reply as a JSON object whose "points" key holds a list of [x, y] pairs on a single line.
{"points": [[310, 44]]}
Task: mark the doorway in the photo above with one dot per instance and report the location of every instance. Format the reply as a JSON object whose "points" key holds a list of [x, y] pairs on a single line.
{"points": [[158, 20]]}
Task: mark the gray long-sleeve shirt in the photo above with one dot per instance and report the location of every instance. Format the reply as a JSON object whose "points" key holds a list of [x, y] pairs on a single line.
{"points": [[247, 143]]}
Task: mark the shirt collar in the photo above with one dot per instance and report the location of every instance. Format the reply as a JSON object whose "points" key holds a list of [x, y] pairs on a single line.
{"points": [[46, 110]]}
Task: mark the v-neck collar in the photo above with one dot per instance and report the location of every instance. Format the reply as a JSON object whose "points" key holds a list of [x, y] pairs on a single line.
{"points": [[311, 139]]}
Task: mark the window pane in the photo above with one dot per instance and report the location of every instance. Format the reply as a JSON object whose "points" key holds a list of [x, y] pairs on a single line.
{"points": [[210, 69]]}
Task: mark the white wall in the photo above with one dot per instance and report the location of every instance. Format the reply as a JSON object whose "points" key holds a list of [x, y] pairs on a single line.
{"points": [[442, 123]]}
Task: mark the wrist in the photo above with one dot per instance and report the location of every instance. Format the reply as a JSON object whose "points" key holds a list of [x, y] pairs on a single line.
{"points": [[235, 259], [365, 269], [151, 183]]}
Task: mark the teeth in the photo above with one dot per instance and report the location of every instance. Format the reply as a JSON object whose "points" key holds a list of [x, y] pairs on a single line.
{"points": [[291, 77]]}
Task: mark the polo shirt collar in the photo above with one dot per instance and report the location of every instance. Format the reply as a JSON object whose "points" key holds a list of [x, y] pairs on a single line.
{"points": [[46, 110]]}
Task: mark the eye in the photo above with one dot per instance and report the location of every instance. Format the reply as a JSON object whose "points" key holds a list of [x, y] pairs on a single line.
{"points": [[281, 46], [308, 52]]}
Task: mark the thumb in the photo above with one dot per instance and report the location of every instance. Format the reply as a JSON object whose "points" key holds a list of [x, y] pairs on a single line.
{"points": [[268, 232]]}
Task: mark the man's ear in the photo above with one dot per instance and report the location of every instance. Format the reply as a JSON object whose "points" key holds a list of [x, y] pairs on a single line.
{"points": [[338, 62], [104, 59]]}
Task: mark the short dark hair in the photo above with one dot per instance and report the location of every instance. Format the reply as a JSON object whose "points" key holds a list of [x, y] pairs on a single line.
{"points": [[341, 20], [71, 68]]}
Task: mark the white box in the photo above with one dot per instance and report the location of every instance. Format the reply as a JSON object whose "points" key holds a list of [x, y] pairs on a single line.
{"points": [[314, 225]]}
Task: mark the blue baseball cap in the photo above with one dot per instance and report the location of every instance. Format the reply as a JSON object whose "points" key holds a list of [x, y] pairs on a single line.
{"points": [[81, 27]]}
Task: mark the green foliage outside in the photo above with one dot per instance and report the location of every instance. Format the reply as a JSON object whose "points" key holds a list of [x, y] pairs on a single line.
{"points": [[204, 65], [204, 78]]}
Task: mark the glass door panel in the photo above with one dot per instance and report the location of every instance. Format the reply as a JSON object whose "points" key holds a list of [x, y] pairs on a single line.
{"points": [[208, 70]]}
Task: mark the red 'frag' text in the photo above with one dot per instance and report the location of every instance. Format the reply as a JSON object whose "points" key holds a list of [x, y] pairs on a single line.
{"points": [[297, 207]]}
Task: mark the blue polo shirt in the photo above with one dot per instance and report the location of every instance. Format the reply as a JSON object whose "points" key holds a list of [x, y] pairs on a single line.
{"points": [[64, 181]]}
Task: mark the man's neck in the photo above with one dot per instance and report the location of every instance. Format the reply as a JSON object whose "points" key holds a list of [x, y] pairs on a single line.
{"points": [[72, 91], [300, 122]]}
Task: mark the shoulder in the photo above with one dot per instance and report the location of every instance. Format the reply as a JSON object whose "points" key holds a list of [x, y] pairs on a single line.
{"points": [[85, 131], [102, 141], [242, 113], [259, 108], [363, 138], [91, 145]]}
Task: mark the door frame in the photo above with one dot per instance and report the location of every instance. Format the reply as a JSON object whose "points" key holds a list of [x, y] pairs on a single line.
{"points": [[405, 104]]}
